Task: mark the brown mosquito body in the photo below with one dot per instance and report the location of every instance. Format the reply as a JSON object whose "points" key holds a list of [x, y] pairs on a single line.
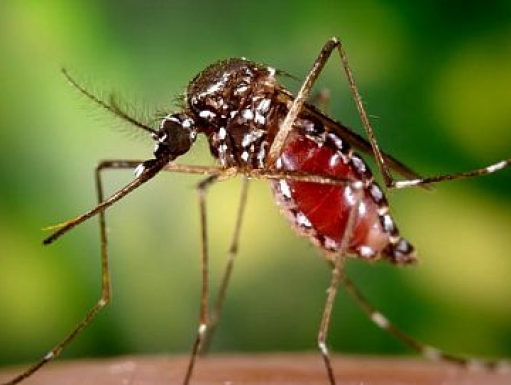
{"points": [[258, 130]]}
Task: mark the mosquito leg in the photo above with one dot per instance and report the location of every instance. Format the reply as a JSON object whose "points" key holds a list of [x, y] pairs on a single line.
{"points": [[105, 275], [54, 353], [428, 351], [381, 158], [382, 166], [379, 155], [147, 170], [202, 189], [300, 100], [457, 176], [337, 273], [231, 254]]}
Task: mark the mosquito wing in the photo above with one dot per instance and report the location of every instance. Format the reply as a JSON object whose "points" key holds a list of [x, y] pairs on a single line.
{"points": [[354, 139]]}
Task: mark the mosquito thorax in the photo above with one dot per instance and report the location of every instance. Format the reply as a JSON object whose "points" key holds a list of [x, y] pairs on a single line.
{"points": [[234, 105]]}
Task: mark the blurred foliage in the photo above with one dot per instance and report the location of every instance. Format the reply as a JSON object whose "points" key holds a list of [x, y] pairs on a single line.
{"points": [[437, 74]]}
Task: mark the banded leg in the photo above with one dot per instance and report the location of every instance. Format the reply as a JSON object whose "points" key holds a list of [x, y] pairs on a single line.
{"points": [[105, 273], [202, 189], [428, 351], [301, 99], [378, 318], [457, 176], [145, 171], [379, 155], [384, 161], [337, 273], [231, 255]]}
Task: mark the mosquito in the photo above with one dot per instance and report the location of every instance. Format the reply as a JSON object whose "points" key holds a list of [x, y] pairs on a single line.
{"points": [[257, 129]]}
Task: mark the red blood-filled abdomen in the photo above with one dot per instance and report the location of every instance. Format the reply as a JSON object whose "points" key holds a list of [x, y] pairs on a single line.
{"points": [[321, 211]]}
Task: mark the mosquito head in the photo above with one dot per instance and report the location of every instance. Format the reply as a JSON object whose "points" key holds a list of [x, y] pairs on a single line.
{"points": [[175, 136]]}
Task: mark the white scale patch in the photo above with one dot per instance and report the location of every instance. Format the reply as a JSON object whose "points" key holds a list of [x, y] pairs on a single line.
{"points": [[359, 164], [323, 348], [366, 251], [222, 133], [350, 195], [285, 189], [247, 114], [335, 159], [205, 114], [247, 139], [263, 106], [187, 123], [139, 170], [259, 119], [376, 192], [240, 90], [251, 137], [331, 244], [214, 88], [222, 148], [380, 320], [362, 208], [302, 220], [497, 166], [262, 153], [387, 221]]}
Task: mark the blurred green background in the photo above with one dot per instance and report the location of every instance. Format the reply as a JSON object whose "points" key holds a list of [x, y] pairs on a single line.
{"points": [[435, 76]]}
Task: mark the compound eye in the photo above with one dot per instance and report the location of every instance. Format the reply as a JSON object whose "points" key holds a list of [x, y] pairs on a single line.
{"points": [[176, 135]]}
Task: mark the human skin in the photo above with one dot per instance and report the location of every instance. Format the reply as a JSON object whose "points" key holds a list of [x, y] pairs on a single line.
{"points": [[259, 369]]}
